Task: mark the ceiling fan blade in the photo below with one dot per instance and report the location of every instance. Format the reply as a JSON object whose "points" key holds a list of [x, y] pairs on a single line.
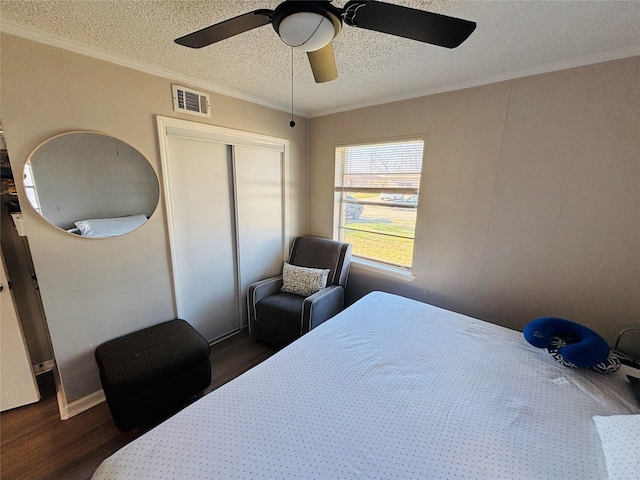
{"points": [[407, 22], [323, 64], [228, 28]]}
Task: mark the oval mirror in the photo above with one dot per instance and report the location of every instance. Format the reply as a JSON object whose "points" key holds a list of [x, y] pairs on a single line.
{"points": [[91, 184]]}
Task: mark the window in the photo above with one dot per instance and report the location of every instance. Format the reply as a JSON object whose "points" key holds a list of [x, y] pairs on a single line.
{"points": [[377, 193], [30, 187]]}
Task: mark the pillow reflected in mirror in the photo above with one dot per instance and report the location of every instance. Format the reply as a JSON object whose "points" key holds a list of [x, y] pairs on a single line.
{"points": [[109, 227]]}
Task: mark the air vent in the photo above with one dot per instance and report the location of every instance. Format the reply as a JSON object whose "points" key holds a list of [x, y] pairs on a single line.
{"points": [[190, 101]]}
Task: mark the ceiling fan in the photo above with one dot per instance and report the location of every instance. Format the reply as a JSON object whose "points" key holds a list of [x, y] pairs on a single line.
{"points": [[311, 25]]}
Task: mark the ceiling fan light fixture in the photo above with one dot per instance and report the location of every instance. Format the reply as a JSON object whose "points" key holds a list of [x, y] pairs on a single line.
{"points": [[306, 31], [311, 25]]}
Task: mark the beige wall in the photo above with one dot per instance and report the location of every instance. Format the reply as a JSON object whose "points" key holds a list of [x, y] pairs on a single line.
{"points": [[94, 290], [530, 196]]}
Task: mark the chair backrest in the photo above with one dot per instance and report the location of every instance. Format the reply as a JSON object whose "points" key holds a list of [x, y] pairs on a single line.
{"points": [[317, 252]]}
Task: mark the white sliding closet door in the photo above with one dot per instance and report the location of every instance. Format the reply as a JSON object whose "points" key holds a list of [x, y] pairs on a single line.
{"points": [[224, 194], [203, 235], [260, 210]]}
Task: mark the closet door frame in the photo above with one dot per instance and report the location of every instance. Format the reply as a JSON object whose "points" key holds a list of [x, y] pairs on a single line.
{"points": [[212, 133]]}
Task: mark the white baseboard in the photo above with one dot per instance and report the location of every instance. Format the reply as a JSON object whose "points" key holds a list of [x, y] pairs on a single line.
{"points": [[68, 410]]}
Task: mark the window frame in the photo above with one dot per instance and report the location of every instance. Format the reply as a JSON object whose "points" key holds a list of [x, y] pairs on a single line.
{"points": [[340, 190]]}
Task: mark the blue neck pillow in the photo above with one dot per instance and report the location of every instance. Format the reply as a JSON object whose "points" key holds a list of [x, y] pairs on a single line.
{"points": [[575, 344]]}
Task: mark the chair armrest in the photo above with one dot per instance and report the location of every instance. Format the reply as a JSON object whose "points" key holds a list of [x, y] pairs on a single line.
{"points": [[259, 290], [321, 306]]}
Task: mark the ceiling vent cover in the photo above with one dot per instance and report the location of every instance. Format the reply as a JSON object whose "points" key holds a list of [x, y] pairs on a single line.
{"points": [[187, 100]]}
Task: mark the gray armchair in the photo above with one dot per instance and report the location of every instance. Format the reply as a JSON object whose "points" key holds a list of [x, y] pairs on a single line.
{"points": [[278, 317]]}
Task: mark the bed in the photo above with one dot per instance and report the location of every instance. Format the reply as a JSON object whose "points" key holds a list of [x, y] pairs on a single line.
{"points": [[391, 388]]}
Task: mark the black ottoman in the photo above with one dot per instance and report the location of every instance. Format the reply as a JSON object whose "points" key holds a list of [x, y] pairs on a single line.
{"points": [[149, 374]]}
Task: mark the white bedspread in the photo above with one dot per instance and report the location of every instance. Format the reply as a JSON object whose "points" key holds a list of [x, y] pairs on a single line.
{"points": [[390, 388]]}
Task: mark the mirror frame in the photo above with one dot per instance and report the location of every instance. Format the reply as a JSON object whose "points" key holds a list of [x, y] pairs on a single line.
{"points": [[78, 199]]}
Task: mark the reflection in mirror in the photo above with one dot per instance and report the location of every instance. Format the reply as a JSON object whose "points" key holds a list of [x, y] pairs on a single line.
{"points": [[91, 185]]}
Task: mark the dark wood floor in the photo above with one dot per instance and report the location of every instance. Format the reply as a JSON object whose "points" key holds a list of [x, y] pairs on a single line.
{"points": [[36, 444]]}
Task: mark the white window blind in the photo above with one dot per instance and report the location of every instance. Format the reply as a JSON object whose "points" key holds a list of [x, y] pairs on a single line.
{"points": [[385, 166]]}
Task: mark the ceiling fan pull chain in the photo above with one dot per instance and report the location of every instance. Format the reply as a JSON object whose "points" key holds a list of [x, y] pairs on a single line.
{"points": [[292, 123]]}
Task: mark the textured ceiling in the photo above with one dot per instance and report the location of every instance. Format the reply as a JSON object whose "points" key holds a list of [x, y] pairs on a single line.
{"points": [[513, 38]]}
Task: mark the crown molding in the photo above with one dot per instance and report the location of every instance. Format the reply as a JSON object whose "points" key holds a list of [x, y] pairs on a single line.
{"points": [[501, 77], [46, 38]]}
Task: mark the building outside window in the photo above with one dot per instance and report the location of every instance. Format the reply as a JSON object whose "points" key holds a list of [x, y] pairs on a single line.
{"points": [[377, 195]]}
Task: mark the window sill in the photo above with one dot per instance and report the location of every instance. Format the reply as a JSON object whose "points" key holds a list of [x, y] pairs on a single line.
{"points": [[387, 270]]}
